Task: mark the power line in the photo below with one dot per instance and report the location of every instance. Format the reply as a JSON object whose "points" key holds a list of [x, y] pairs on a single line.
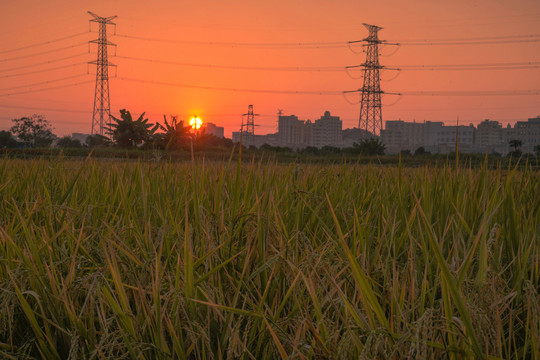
{"points": [[42, 82], [44, 109], [474, 93], [459, 67], [240, 44], [285, 68], [42, 53], [289, 92], [43, 63], [43, 43], [473, 42], [49, 88], [493, 66], [325, 92], [526, 38], [481, 66], [507, 37], [477, 64], [431, 68], [44, 70]]}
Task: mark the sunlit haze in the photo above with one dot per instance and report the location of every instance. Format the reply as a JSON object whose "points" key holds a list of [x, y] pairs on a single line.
{"points": [[214, 58]]}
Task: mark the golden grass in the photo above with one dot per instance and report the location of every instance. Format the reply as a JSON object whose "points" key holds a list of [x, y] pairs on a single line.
{"points": [[212, 260]]}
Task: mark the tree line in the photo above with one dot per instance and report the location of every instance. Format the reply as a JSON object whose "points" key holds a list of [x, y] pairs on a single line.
{"points": [[124, 132], [127, 133]]}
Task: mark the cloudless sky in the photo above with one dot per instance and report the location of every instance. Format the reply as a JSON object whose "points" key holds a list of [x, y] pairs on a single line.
{"points": [[29, 22]]}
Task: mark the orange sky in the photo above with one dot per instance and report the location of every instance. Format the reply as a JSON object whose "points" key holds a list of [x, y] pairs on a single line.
{"points": [[293, 21]]}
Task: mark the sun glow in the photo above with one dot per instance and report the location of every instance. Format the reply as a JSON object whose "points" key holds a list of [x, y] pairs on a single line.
{"points": [[195, 123]]}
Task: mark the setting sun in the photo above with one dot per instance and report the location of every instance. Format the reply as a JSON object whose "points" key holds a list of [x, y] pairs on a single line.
{"points": [[195, 123]]}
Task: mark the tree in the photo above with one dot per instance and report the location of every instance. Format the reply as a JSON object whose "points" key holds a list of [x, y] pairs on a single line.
{"points": [[516, 144], [421, 151], [7, 140], [94, 141], [67, 142], [129, 133], [537, 150], [34, 131], [371, 146], [175, 135]]}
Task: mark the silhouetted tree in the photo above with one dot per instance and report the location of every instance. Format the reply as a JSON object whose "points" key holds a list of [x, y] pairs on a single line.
{"points": [[175, 135], [129, 133], [371, 146], [34, 131], [537, 150], [7, 140], [204, 140], [310, 150], [421, 151], [516, 144], [94, 141], [68, 143]]}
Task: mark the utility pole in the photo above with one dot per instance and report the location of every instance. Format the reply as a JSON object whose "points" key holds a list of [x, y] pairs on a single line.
{"points": [[250, 125], [101, 113]]}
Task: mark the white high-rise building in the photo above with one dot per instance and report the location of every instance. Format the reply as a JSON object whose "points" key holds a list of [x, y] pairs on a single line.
{"points": [[213, 129], [528, 132], [327, 131], [490, 137]]}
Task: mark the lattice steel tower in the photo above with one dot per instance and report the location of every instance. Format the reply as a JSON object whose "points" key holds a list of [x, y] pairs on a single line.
{"points": [[249, 133], [370, 105], [102, 104]]}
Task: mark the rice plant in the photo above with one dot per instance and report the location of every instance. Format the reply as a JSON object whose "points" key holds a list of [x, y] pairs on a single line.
{"points": [[222, 260]]}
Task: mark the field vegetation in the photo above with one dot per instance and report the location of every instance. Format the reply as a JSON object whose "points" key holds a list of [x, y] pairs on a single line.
{"points": [[263, 260]]}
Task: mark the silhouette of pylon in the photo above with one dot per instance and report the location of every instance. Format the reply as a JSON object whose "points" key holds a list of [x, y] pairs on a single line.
{"points": [[370, 105], [101, 113]]}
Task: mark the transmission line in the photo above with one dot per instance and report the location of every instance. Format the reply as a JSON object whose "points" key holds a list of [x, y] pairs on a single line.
{"points": [[287, 92], [506, 37], [240, 44], [47, 89], [43, 70], [527, 38], [458, 67], [492, 66], [474, 93], [43, 63], [42, 82], [285, 68], [43, 43], [42, 53], [45, 109], [473, 42]]}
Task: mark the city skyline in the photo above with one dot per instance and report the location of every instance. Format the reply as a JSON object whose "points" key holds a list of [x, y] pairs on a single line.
{"points": [[154, 39]]}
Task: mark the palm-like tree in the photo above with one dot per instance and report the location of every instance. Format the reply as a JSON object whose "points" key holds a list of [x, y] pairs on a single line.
{"points": [[516, 144], [175, 133], [129, 133]]}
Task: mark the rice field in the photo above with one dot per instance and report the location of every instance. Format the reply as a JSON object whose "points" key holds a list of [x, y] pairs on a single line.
{"points": [[222, 260]]}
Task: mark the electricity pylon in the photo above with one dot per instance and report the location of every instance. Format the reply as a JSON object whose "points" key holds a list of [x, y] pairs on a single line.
{"points": [[249, 133], [370, 104], [101, 113]]}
